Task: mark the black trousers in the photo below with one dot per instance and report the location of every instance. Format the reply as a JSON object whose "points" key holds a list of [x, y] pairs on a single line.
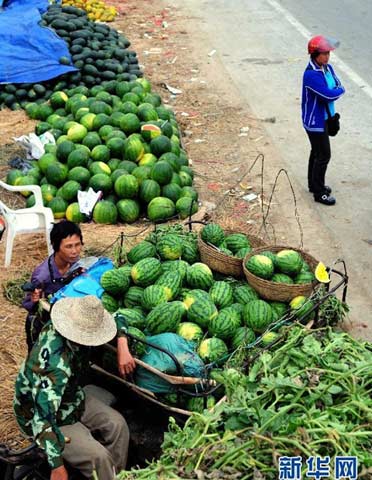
{"points": [[320, 156]]}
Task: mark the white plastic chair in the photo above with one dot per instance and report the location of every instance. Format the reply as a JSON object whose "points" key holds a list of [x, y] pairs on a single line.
{"points": [[36, 219]]}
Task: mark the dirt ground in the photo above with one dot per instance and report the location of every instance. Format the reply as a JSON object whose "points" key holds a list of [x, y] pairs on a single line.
{"points": [[222, 138]]}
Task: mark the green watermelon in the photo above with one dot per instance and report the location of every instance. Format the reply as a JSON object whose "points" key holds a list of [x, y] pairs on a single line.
{"points": [[179, 266], [191, 296], [225, 324], [153, 295], [236, 241], [136, 347], [301, 307], [105, 212], [213, 233], [126, 186], [146, 271], [304, 277], [257, 315], [202, 312], [281, 278], [190, 331], [129, 317], [160, 208], [212, 350], [186, 207], [288, 262], [169, 247], [148, 190], [242, 336], [141, 250], [109, 302], [199, 275], [279, 309], [165, 317], [128, 210], [162, 173], [133, 297], [261, 266], [172, 282], [221, 294], [244, 293], [115, 281]]}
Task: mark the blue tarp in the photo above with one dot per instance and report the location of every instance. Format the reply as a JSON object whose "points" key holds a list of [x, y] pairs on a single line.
{"points": [[29, 53]]}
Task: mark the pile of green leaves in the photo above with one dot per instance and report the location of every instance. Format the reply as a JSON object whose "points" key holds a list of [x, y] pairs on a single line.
{"points": [[311, 396]]}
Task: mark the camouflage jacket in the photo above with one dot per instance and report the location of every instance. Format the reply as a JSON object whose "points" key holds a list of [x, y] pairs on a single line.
{"points": [[47, 391]]}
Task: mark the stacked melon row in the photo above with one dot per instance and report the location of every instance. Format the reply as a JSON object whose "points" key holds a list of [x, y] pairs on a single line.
{"points": [[97, 10], [117, 138], [232, 244], [98, 52], [164, 288]]}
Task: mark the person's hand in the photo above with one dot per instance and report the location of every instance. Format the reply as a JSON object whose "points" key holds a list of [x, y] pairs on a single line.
{"points": [[36, 295], [59, 473], [126, 363]]}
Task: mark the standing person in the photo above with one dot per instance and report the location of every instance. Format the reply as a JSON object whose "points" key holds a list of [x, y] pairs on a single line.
{"points": [[320, 89], [48, 277], [50, 404]]}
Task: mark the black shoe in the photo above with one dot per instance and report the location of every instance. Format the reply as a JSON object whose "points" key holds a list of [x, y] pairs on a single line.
{"points": [[327, 190], [325, 199]]}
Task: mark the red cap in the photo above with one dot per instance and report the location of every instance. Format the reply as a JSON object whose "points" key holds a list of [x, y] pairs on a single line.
{"points": [[320, 44]]}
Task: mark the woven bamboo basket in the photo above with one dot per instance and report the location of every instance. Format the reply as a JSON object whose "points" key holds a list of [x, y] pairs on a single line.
{"points": [[222, 263], [281, 292]]}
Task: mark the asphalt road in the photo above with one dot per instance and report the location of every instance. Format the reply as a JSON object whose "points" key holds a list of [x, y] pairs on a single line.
{"points": [[263, 46]]}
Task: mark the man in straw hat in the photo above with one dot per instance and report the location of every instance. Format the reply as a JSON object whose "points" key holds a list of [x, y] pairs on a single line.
{"points": [[50, 404]]}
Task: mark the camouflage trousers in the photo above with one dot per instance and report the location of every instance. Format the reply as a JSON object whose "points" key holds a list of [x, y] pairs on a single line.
{"points": [[106, 452]]}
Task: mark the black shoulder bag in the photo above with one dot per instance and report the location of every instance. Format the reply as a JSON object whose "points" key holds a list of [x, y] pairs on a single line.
{"points": [[333, 122]]}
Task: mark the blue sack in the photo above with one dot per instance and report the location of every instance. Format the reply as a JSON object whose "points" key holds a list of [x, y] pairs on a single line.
{"points": [[29, 52], [88, 283]]}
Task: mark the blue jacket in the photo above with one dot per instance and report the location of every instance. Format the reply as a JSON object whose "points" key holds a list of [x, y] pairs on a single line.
{"points": [[315, 95]]}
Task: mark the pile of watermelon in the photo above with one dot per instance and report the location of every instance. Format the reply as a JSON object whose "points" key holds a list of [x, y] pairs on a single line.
{"points": [[117, 138], [99, 52], [165, 288], [286, 266], [232, 244]]}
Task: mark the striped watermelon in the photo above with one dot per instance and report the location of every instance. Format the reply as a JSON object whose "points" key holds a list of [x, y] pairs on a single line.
{"points": [[238, 307], [212, 350], [192, 296], [304, 277], [257, 315], [225, 324], [261, 266], [165, 317], [128, 317], [199, 275], [269, 254], [140, 251], [301, 307], [221, 294], [279, 309], [190, 331], [281, 278], [109, 303], [236, 241], [172, 282], [289, 262], [242, 252], [242, 336], [190, 252], [169, 247], [133, 296], [115, 281], [213, 233], [244, 294], [137, 348], [153, 295], [202, 312], [146, 271], [179, 266]]}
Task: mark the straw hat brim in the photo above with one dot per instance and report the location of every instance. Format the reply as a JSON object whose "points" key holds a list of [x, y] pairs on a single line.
{"points": [[62, 316]]}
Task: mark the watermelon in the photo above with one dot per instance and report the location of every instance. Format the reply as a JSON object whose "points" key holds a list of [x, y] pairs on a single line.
{"points": [[172, 191], [242, 252], [133, 297], [169, 247], [213, 233], [58, 206], [191, 296], [105, 212], [288, 262], [73, 213], [165, 317], [190, 331], [134, 149], [101, 182], [128, 210], [304, 277], [190, 252], [301, 307], [172, 282], [199, 275], [126, 186], [244, 293], [281, 278], [153, 295], [269, 337], [224, 324], [129, 317], [109, 302], [115, 281], [221, 294], [56, 173], [150, 131], [212, 350], [257, 315], [162, 173], [148, 190], [146, 271], [236, 241], [279, 309], [269, 254], [242, 336], [261, 266], [141, 250], [179, 266], [186, 207], [80, 175], [199, 404], [160, 208], [160, 145], [202, 312]]}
